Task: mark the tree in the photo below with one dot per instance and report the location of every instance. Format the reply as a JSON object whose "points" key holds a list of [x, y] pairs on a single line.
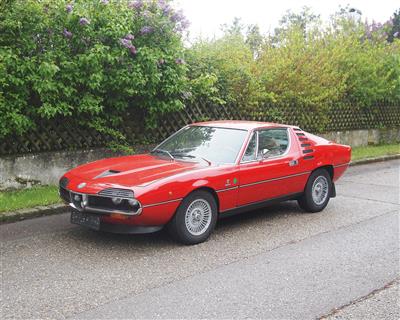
{"points": [[394, 27], [302, 20], [254, 39]]}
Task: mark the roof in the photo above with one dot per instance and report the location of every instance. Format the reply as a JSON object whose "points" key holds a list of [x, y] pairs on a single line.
{"points": [[239, 124]]}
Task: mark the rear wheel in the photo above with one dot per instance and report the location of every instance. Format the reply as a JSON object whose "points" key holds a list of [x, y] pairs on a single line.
{"points": [[317, 192], [195, 218]]}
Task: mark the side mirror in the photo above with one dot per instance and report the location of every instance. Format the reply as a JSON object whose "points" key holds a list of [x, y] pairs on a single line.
{"points": [[265, 153]]}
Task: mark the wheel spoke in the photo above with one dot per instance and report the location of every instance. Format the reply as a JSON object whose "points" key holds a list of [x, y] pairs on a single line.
{"points": [[198, 217], [320, 190]]}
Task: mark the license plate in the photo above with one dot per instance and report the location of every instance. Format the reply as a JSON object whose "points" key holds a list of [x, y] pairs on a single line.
{"points": [[91, 221]]}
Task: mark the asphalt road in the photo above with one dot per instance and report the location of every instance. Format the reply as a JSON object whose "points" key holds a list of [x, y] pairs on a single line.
{"points": [[277, 263]]}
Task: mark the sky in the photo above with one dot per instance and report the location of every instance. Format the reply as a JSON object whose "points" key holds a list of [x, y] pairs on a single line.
{"points": [[206, 16]]}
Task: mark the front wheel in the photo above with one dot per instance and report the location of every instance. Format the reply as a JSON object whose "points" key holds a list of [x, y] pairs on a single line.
{"points": [[195, 218], [317, 192]]}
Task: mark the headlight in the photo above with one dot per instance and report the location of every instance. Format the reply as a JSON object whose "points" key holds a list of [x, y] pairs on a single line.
{"points": [[85, 200], [116, 201], [133, 202]]}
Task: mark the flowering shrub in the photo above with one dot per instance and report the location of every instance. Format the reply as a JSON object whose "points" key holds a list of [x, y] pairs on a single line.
{"points": [[90, 59], [101, 61]]}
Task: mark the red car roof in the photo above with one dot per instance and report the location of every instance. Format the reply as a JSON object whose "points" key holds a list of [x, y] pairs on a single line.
{"points": [[239, 124]]}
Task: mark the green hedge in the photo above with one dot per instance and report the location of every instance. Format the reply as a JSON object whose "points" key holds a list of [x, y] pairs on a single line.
{"points": [[118, 72]]}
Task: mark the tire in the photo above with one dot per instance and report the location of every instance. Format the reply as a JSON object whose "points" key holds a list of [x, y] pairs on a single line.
{"points": [[317, 192], [195, 218]]}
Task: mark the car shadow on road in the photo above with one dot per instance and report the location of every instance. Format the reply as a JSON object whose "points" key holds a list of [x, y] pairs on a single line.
{"points": [[162, 239], [268, 213]]}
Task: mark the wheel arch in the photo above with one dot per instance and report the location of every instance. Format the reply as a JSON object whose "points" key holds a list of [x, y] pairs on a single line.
{"points": [[327, 167], [209, 190], [330, 169]]}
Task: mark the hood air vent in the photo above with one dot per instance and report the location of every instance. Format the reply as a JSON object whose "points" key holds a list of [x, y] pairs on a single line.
{"points": [[107, 173]]}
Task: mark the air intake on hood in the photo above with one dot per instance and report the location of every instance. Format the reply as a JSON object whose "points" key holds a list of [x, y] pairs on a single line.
{"points": [[107, 173]]}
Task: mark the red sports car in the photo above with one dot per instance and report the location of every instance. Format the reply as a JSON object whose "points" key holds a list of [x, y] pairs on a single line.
{"points": [[205, 171]]}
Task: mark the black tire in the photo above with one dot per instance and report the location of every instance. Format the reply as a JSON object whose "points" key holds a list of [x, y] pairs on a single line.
{"points": [[307, 201], [178, 228]]}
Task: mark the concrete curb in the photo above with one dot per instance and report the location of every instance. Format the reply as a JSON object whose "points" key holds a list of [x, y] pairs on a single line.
{"points": [[22, 214], [377, 159]]}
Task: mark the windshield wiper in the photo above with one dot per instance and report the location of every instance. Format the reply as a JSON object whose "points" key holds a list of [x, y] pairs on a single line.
{"points": [[163, 151], [185, 155], [208, 161]]}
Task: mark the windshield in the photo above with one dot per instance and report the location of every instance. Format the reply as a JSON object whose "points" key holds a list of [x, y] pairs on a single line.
{"points": [[216, 145]]}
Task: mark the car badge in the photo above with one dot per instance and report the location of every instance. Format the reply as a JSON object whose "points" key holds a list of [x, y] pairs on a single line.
{"points": [[81, 185]]}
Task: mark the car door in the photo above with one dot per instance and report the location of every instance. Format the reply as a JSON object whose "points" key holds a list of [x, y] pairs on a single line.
{"points": [[274, 174]]}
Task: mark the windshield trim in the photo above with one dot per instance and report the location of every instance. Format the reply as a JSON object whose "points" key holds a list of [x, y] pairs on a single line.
{"points": [[235, 162]]}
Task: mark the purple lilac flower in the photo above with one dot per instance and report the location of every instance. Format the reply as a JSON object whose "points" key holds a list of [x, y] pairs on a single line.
{"points": [[164, 7], [146, 14], [177, 16], [185, 23], [133, 50], [146, 30], [138, 4], [67, 34], [84, 21], [129, 37], [396, 34], [180, 61], [126, 43], [69, 8]]}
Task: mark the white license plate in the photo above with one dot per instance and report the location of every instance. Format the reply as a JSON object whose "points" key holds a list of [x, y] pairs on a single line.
{"points": [[89, 220]]}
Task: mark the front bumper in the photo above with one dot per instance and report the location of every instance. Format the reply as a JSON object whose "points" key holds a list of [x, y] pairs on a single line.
{"points": [[95, 222], [128, 229]]}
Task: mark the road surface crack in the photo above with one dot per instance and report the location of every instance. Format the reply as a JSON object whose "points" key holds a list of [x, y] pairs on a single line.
{"points": [[358, 300]]}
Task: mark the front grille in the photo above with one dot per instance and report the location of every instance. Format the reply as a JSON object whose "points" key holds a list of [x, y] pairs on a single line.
{"points": [[106, 203], [116, 193]]}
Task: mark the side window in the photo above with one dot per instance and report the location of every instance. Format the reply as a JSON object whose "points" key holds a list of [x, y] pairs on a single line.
{"points": [[250, 153], [273, 142]]}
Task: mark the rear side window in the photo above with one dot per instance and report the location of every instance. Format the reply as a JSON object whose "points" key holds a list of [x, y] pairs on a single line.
{"points": [[267, 143], [273, 142]]}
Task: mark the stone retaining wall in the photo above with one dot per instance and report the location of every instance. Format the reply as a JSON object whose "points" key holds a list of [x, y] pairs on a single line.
{"points": [[46, 168]]}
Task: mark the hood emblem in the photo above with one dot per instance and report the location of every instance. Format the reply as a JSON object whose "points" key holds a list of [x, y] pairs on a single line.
{"points": [[81, 185]]}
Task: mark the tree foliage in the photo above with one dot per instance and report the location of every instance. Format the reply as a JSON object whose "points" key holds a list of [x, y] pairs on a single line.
{"points": [[304, 61], [90, 59], [100, 61]]}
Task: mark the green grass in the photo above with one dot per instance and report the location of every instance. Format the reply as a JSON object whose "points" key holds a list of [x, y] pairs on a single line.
{"points": [[28, 198], [366, 152]]}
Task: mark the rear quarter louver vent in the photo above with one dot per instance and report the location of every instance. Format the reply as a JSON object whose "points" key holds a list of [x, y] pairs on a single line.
{"points": [[305, 144]]}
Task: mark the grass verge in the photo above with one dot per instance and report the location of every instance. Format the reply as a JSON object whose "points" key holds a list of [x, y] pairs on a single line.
{"points": [[28, 198], [360, 153]]}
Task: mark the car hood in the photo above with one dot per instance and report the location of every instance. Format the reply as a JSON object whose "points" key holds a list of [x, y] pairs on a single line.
{"points": [[137, 170]]}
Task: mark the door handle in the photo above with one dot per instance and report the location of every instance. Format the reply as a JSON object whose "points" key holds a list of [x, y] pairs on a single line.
{"points": [[293, 163]]}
